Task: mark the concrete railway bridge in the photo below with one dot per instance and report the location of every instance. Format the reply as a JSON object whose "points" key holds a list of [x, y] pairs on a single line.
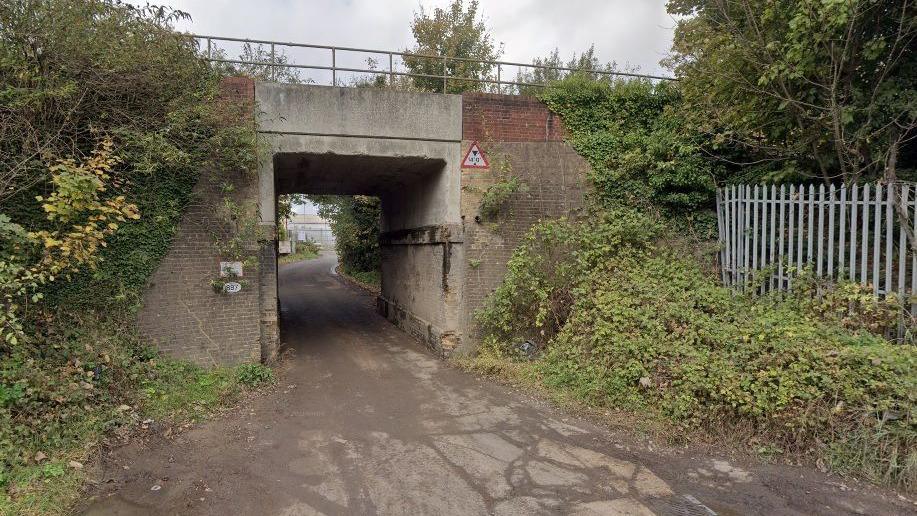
{"points": [[439, 260]]}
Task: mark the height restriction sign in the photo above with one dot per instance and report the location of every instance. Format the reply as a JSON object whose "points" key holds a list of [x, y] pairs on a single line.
{"points": [[475, 158]]}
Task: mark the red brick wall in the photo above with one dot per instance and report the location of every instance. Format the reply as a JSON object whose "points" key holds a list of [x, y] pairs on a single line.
{"points": [[238, 89], [508, 118]]}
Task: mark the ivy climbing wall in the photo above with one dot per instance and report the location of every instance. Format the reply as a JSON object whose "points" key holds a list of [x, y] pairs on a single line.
{"points": [[186, 313]]}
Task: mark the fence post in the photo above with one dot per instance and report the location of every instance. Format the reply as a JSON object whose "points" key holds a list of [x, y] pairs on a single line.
{"points": [[853, 233], [876, 240], [334, 68], [821, 229], [791, 236], [720, 234], [733, 224], [902, 258], [754, 229], [842, 233], [746, 212], [773, 246], [864, 245], [802, 228], [890, 199], [810, 256], [913, 261], [780, 285], [831, 231]]}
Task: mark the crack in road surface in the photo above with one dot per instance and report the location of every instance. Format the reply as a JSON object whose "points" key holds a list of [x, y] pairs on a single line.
{"points": [[371, 423]]}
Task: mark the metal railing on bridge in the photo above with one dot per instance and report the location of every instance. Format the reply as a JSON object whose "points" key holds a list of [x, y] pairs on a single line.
{"points": [[270, 58]]}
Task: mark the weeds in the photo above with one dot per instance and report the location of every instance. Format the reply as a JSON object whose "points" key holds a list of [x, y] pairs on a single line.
{"points": [[624, 323]]}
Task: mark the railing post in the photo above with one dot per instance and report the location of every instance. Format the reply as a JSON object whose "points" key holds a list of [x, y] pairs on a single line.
{"points": [[391, 69], [273, 61], [334, 70], [499, 83], [444, 72], [209, 56]]}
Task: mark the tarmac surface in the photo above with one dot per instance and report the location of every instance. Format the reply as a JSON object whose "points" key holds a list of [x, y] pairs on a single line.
{"points": [[365, 420]]}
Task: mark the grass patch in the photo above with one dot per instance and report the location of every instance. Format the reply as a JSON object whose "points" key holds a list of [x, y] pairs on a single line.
{"points": [[369, 280], [41, 489], [182, 391], [163, 389]]}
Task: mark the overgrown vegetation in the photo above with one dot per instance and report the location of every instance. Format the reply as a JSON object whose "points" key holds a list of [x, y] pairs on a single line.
{"points": [[816, 89], [624, 314], [497, 194], [108, 118], [306, 250], [356, 224], [641, 150], [624, 320]]}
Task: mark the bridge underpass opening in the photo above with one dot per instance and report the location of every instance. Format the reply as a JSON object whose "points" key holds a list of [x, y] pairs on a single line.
{"points": [[419, 288], [407, 148]]}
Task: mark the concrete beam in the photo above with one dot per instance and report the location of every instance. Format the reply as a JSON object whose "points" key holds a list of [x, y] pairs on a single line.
{"points": [[437, 234], [358, 112]]}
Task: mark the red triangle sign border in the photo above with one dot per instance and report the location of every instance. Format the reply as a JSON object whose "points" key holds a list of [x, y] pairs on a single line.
{"points": [[472, 163]]}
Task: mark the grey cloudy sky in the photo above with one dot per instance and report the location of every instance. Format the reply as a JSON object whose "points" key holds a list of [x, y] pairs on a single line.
{"points": [[630, 32]]}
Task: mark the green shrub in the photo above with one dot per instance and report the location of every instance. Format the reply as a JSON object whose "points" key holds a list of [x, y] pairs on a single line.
{"points": [[356, 224], [623, 322], [497, 194], [254, 375], [111, 73]]}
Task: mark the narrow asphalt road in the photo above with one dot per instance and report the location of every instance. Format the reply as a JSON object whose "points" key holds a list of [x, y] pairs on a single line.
{"points": [[366, 421]]}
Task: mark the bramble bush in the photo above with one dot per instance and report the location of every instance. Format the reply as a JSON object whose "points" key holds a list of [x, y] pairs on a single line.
{"points": [[621, 321]]}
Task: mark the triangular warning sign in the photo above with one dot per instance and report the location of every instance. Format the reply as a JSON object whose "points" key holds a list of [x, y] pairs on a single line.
{"points": [[475, 158]]}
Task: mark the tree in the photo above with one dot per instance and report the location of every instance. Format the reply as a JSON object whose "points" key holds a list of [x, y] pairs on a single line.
{"points": [[822, 88], [454, 32], [275, 69], [62, 84], [355, 221], [545, 70]]}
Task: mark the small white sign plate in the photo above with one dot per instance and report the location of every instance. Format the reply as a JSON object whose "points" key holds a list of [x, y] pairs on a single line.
{"points": [[301, 236], [475, 157], [231, 287], [284, 247], [230, 268]]}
